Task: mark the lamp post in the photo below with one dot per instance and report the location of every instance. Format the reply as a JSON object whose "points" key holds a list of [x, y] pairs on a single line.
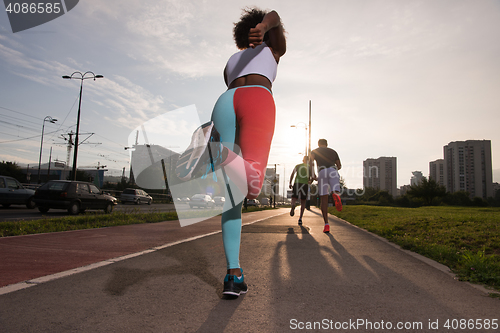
{"points": [[309, 150], [51, 120], [80, 77], [305, 128]]}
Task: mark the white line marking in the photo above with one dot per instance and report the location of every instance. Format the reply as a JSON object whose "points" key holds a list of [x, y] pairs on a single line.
{"points": [[33, 282]]}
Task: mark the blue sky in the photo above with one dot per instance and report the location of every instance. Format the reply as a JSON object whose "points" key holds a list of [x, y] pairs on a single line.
{"points": [[385, 78]]}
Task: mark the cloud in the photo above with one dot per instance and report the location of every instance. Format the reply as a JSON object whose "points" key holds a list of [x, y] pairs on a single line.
{"points": [[40, 71], [130, 104]]}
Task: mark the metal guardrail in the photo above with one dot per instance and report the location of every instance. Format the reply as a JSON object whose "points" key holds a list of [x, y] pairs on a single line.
{"points": [[157, 197]]}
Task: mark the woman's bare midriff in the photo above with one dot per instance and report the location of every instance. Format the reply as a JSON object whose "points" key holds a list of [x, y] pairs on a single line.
{"points": [[250, 80]]}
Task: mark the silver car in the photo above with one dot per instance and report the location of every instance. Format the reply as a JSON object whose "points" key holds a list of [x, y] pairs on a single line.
{"points": [[13, 193], [219, 201], [135, 196], [202, 201]]}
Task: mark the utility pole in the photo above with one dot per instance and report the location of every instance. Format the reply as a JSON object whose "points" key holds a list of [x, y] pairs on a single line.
{"points": [[50, 161], [309, 150], [274, 187], [308, 201], [165, 175]]}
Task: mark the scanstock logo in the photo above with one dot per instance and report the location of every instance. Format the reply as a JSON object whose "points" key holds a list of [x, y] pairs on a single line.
{"points": [[26, 14]]}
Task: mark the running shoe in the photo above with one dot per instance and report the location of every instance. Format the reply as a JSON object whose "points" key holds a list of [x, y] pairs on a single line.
{"points": [[326, 230], [300, 221], [338, 201], [292, 211], [205, 150], [234, 285]]}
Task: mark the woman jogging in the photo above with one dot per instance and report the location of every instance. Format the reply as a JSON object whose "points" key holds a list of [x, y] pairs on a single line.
{"points": [[244, 117]]}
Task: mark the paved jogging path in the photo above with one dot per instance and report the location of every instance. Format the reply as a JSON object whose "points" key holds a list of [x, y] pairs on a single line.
{"points": [[299, 278]]}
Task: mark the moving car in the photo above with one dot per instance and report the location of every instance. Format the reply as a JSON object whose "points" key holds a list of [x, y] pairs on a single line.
{"points": [[135, 196], [202, 201], [253, 202], [13, 193], [219, 201], [75, 196]]}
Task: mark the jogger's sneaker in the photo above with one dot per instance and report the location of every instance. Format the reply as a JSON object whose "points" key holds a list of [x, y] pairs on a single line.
{"points": [[338, 201], [300, 221], [205, 149], [292, 211], [326, 230], [234, 285]]}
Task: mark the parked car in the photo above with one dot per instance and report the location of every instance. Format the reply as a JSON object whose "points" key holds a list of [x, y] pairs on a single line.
{"points": [[253, 202], [219, 201], [201, 200], [135, 196], [13, 193], [75, 196]]}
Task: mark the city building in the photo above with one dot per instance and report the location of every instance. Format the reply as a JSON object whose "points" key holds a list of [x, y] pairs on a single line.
{"points": [[381, 174], [416, 179], [151, 166], [468, 167], [403, 190], [271, 180], [60, 171], [436, 171]]}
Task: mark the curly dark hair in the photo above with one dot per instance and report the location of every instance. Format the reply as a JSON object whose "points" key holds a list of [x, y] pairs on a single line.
{"points": [[249, 19]]}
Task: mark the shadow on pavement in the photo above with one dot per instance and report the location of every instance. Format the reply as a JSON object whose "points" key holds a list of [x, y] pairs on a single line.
{"points": [[189, 261]]}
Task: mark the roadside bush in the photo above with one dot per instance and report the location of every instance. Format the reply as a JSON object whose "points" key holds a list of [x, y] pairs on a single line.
{"points": [[460, 198], [11, 169]]}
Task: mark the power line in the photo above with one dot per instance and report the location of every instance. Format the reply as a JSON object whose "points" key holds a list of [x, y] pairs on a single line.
{"points": [[27, 115], [19, 119], [19, 126], [22, 139]]}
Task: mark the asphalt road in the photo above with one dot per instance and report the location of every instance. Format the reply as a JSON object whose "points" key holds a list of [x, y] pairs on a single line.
{"points": [[22, 213], [299, 278]]}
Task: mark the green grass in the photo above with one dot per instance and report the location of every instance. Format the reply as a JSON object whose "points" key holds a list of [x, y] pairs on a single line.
{"points": [[466, 239], [89, 220], [84, 221]]}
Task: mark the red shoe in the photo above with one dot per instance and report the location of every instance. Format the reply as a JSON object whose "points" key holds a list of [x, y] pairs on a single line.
{"points": [[327, 229], [338, 202]]}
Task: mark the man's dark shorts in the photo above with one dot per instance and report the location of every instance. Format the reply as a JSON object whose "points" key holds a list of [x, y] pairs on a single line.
{"points": [[300, 190]]}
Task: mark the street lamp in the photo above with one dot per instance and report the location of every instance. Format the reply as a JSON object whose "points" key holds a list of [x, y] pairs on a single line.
{"points": [[309, 150], [80, 77], [305, 128], [51, 120]]}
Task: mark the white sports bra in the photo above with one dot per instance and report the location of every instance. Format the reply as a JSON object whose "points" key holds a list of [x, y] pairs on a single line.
{"points": [[259, 60]]}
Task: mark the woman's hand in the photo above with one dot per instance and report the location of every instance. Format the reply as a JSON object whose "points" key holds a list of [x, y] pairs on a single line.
{"points": [[256, 35], [271, 23]]}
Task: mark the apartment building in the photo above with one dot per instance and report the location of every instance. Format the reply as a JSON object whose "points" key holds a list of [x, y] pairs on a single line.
{"points": [[416, 179], [436, 171], [468, 167], [381, 174]]}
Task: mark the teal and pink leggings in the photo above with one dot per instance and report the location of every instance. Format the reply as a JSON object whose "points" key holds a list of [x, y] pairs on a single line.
{"points": [[244, 118]]}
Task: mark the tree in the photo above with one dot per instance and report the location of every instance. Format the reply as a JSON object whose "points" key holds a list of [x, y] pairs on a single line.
{"points": [[382, 198], [427, 190], [367, 193], [81, 176], [11, 169], [342, 182], [460, 198]]}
